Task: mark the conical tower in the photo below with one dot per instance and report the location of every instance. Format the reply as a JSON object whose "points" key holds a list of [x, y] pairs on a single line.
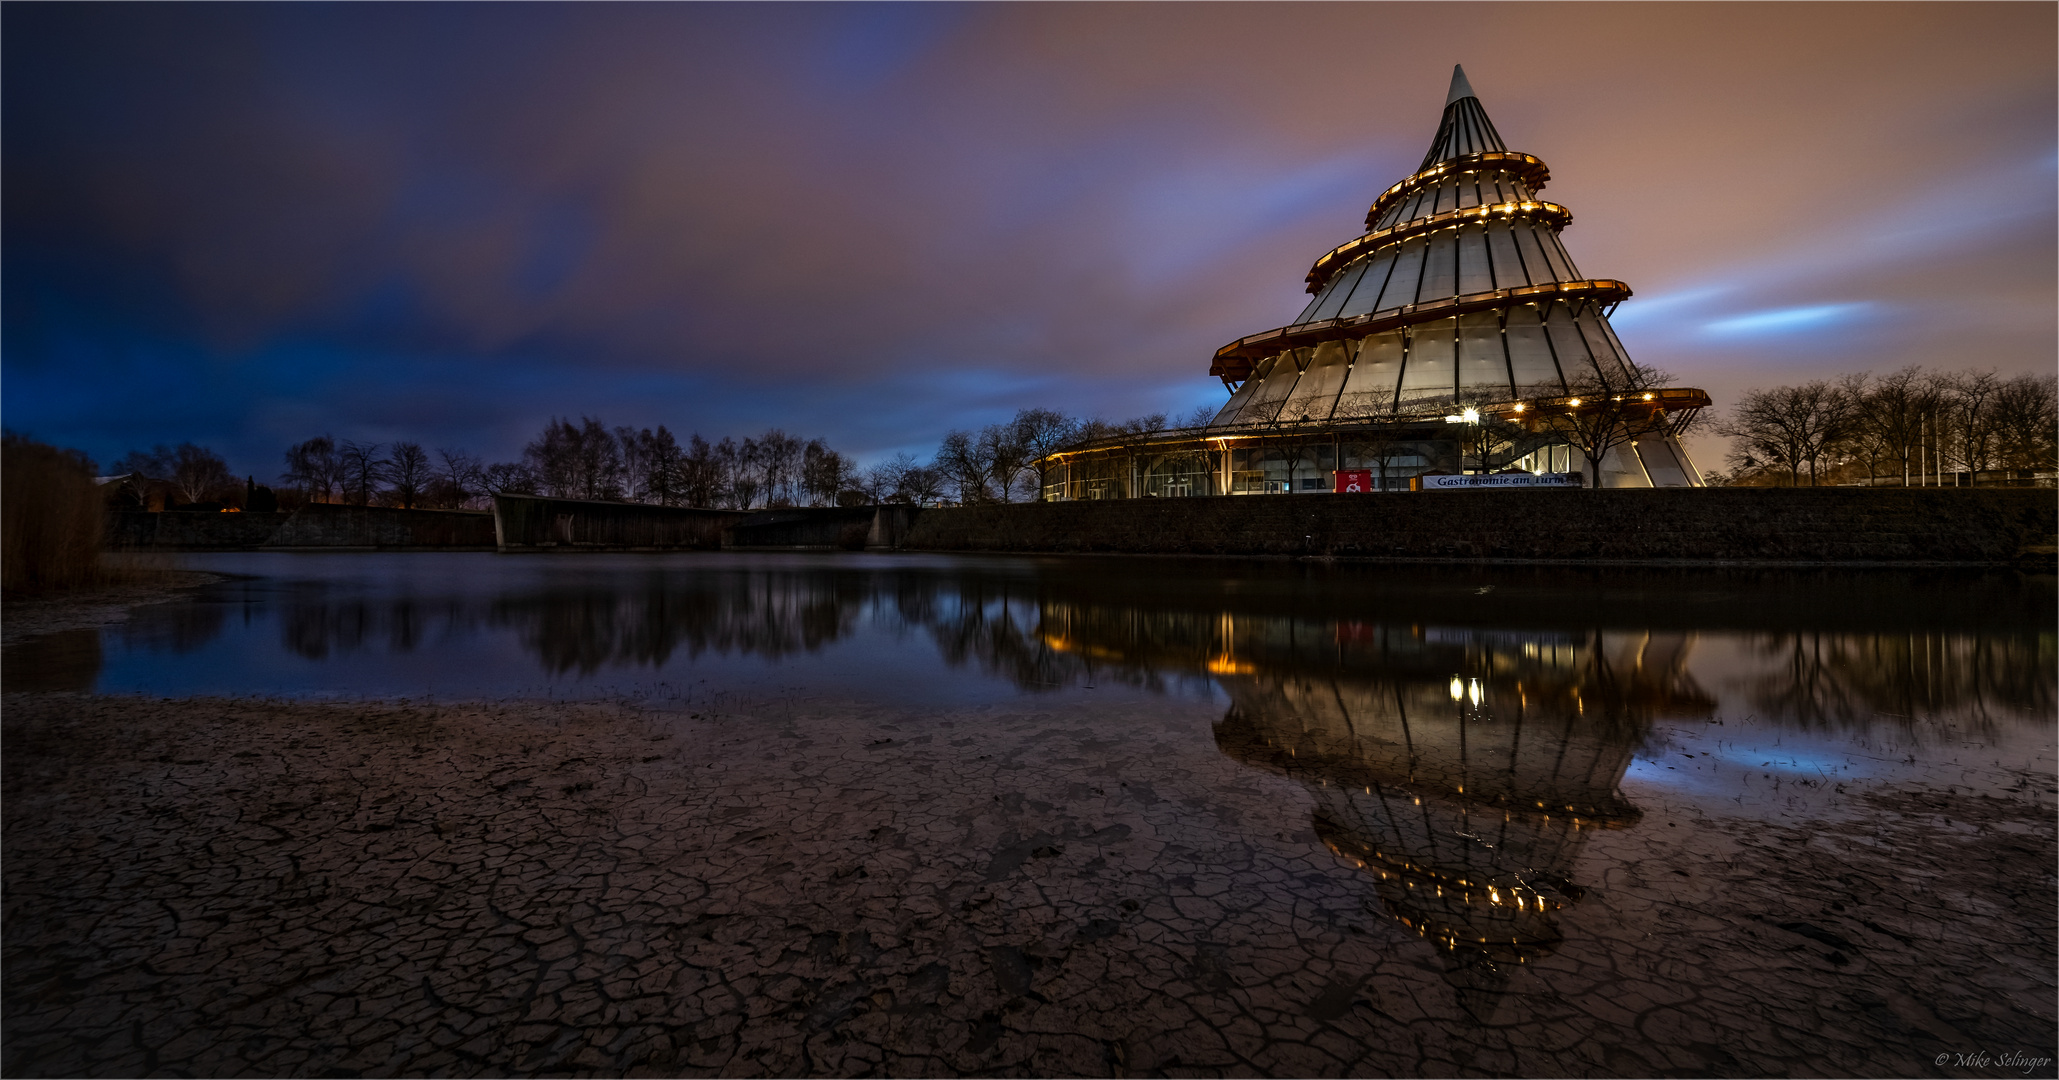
{"points": [[1454, 339], [1459, 291]]}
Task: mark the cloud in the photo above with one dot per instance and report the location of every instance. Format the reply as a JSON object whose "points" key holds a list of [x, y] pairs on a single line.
{"points": [[874, 223], [1788, 320]]}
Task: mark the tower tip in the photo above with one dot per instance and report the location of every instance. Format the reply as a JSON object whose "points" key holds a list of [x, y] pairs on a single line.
{"points": [[1460, 88]]}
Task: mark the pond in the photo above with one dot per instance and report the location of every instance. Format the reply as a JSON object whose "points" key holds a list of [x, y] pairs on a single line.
{"points": [[1537, 767]]}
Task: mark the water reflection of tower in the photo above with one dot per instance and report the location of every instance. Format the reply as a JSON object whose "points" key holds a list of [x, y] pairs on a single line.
{"points": [[1464, 769]]}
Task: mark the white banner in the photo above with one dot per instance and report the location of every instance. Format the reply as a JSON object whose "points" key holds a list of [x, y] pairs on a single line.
{"points": [[1500, 480]]}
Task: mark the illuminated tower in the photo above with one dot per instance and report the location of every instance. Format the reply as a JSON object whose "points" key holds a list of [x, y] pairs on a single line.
{"points": [[1458, 295]]}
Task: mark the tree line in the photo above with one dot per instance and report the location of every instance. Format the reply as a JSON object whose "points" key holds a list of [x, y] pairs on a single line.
{"points": [[1911, 426], [588, 459]]}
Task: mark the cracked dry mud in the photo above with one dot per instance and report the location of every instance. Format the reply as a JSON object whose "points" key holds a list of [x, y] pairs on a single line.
{"points": [[229, 888]]}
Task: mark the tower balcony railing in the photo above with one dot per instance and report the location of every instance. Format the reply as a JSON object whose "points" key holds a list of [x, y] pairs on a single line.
{"points": [[1529, 170], [1235, 360], [1546, 213]]}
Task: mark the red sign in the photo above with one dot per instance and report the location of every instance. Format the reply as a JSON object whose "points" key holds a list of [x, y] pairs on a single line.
{"points": [[1356, 481]]}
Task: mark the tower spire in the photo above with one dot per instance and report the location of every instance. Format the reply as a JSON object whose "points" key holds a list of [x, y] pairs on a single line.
{"points": [[1465, 128], [1460, 88]]}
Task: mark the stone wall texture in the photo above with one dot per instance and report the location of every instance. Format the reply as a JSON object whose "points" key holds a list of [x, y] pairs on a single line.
{"points": [[534, 523], [326, 526], [1784, 525], [183, 530], [847, 528], [316, 526]]}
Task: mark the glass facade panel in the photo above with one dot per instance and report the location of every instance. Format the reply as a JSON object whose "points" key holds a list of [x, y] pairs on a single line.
{"points": [[1363, 298], [1105, 477], [1233, 409], [1307, 311], [1469, 190], [1480, 360], [1408, 270], [1602, 345], [1369, 387], [1316, 394], [1277, 386], [1440, 267], [1473, 271], [1536, 374], [1181, 474], [1555, 255], [1570, 345], [1415, 206], [1338, 291], [1428, 373], [1508, 267], [1541, 270], [1660, 463]]}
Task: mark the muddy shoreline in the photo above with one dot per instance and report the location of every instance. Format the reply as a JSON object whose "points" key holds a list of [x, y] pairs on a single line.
{"points": [[92, 608], [235, 887]]}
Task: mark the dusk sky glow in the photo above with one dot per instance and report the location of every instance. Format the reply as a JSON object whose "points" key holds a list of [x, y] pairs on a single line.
{"points": [[243, 225]]}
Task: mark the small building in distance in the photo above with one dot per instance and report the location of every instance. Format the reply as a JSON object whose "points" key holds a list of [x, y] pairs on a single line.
{"points": [[1454, 338]]}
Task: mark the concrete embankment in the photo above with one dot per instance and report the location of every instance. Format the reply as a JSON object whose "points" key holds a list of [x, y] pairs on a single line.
{"points": [[531, 523], [1708, 525], [315, 527], [536, 523]]}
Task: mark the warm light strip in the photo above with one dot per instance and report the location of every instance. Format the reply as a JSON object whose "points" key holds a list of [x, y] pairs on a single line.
{"points": [[1528, 169], [1546, 212], [1235, 358]]}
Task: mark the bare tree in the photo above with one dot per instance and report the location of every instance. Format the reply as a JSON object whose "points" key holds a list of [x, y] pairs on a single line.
{"points": [[190, 473], [968, 466], [1888, 418], [362, 471], [824, 473], [510, 478], [743, 472], [577, 461], [1790, 426], [923, 484], [313, 468], [1008, 457], [701, 481], [1041, 433], [779, 462], [635, 475], [881, 482], [407, 471], [457, 479], [1600, 413], [2026, 411], [1969, 402], [664, 467]]}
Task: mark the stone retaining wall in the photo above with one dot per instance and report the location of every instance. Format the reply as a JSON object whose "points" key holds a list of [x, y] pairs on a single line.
{"points": [[846, 528], [319, 525], [189, 530], [322, 525], [1775, 525], [534, 523]]}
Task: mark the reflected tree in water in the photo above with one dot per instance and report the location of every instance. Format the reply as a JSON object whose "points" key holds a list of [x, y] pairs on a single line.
{"points": [[1856, 680]]}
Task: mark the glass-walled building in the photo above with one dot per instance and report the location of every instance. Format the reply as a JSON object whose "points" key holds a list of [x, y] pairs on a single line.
{"points": [[1456, 336]]}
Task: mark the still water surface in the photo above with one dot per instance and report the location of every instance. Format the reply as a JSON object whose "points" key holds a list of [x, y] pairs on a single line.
{"points": [[1842, 667], [1464, 736], [1818, 650]]}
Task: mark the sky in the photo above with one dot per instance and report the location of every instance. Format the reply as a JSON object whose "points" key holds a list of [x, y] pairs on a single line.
{"points": [[246, 225]]}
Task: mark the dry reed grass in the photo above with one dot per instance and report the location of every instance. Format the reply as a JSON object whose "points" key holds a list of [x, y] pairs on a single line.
{"points": [[51, 519]]}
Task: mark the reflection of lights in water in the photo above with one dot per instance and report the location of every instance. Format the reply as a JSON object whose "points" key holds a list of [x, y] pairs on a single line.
{"points": [[1473, 691], [1458, 689]]}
